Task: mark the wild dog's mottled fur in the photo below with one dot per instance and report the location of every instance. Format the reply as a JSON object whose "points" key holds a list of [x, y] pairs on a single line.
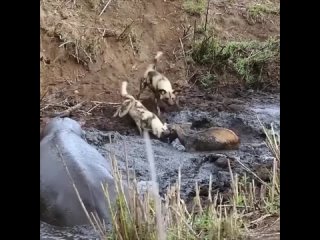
{"points": [[143, 118], [158, 84]]}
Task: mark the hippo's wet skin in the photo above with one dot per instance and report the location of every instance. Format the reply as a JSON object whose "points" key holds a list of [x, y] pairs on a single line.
{"points": [[62, 145]]}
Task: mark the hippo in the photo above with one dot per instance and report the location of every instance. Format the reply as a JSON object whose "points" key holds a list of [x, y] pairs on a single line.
{"points": [[211, 139], [62, 147]]}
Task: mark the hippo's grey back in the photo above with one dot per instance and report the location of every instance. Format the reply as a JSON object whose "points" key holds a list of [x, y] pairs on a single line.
{"points": [[61, 147]]}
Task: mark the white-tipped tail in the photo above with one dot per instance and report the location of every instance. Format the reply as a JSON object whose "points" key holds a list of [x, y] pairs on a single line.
{"points": [[158, 55], [152, 66], [124, 88]]}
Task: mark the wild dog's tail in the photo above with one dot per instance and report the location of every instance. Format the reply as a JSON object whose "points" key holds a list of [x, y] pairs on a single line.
{"points": [[124, 92], [152, 66], [156, 58], [125, 107]]}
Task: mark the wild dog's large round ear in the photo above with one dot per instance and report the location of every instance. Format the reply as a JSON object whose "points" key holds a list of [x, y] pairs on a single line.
{"points": [[162, 91]]}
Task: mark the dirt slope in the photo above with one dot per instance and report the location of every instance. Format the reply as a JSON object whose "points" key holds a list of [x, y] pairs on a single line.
{"points": [[84, 55]]}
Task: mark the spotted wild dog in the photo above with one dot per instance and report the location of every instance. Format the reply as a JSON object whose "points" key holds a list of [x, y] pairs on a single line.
{"points": [[158, 84], [143, 118]]}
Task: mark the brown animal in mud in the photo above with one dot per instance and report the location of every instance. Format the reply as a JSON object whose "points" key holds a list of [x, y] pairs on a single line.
{"points": [[143, 118], [211, 139], [159, 85]]}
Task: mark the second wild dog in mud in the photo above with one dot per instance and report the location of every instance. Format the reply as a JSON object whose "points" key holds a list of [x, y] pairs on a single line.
{"points": [[158, 84], [143, 118]]}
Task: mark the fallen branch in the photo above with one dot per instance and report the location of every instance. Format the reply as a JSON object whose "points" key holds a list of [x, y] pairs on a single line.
{"points": [[107, 103], [184, 56], [95, 106], [260, 219], [68, 111], [205, 25], [52, 105]]}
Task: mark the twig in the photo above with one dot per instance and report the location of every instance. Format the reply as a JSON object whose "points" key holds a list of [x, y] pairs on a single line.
{"points": [[96, 105], [187, 36], [248, 170], [190, 78], [125, 29], [186, 31], [260, 219], [87, 55], [69, 110], [108, 103], [194, 31], [107, 4], [53, 105], [45, 93], [77, 51], [205, 25], [134, 52], [65, 43], [184, 221], [184, 55]]}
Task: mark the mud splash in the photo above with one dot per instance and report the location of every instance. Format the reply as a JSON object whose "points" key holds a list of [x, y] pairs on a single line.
{"points": [[198, 166]]}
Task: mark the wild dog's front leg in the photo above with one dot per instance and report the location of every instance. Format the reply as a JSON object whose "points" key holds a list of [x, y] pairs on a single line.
{"points": [[157, 108], [138, 124], [143, 85]]}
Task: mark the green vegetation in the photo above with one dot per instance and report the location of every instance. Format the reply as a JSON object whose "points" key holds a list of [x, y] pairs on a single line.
{"points": [[249, 202], [194, 7], [247, 59], [256, 12]]}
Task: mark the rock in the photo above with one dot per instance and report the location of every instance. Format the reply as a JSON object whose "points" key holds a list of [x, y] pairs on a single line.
{"points": [[236, 107], [222, 162], [264, 172]]}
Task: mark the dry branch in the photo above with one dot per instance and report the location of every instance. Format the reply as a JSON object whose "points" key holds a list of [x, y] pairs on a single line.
{"points": [[68, 111], [105, 7], [184, 56]]}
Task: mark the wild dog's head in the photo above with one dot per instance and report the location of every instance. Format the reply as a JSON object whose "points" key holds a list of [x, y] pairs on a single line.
{"points": [[169, 97], [164, 132], [159, 129], [168, 134]]}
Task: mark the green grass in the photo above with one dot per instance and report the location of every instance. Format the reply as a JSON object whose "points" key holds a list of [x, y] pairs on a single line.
{"points": [[246, 59], [194, 7], [256, 12], [147, 218]]}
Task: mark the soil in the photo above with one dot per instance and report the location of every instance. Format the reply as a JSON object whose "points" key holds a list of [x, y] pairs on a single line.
{"points": [[68, 76], [85, 57]]}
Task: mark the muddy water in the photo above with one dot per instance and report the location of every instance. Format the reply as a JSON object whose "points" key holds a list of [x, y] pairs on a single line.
{"points": [[194, 166]]}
